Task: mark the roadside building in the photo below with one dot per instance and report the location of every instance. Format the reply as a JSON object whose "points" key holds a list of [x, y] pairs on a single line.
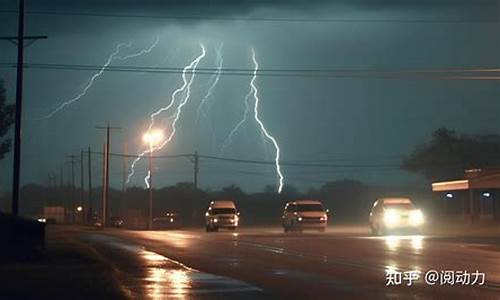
{"points": [[476, 196]]}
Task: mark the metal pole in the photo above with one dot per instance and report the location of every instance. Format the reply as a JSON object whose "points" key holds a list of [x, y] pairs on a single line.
{"points": [[104, 196], [19, 106], [61, 176], [196, 169], [124, 204], [150, 216], [90, 204], [105, 187], [107, 174], [125, 167], [73, 188], [81, 186]]}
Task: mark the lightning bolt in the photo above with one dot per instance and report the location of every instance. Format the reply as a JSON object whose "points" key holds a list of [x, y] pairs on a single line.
{"points": [[204, 107], [142, 52], [146, 179], [229, 138], [266, 136], [263, 129], [94, 77], [186, 88], [214, 79]]}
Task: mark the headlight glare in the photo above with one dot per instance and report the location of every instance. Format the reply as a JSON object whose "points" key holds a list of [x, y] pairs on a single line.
{"points": [[391, 218], [416, 217]]}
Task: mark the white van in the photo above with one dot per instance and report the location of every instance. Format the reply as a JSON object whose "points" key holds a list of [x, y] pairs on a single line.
{"points": [[304, 214], [221, 214]]}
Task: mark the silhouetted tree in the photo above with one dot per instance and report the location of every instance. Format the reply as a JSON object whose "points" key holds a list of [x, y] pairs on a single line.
{"points": [[447, 155], [270, 189], [232, 192], [6, 120], [290, 192]]}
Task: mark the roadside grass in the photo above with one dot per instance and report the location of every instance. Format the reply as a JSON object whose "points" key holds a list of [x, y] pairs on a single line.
{"points": [[66, 270]]}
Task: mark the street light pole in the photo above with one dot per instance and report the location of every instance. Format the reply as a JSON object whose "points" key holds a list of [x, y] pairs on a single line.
{"points": [[150, 216], [152, 138]]}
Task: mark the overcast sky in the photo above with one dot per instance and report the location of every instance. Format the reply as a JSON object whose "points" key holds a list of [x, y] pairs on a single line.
{"points": [[339, 120]]}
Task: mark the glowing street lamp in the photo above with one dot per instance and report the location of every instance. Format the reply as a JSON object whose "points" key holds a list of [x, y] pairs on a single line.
{"points": [[152, 137]]}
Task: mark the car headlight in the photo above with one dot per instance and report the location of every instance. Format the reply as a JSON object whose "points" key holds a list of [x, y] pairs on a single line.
{"points": [[323, 218], [391, 218], [299, 219], [416, 217]]}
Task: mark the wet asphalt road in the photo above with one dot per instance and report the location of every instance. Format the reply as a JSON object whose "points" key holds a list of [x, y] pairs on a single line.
{"points": [[343, 263]]}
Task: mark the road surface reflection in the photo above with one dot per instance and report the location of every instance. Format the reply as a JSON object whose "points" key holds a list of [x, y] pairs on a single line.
{"points": [[414, 242]]}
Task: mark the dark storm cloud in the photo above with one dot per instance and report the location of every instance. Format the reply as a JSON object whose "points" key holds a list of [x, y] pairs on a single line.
{"points": [[355, 115], [231, 7]]}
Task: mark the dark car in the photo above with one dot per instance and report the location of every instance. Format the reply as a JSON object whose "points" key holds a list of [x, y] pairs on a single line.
{"points": [[116, 222], [169, 220]]}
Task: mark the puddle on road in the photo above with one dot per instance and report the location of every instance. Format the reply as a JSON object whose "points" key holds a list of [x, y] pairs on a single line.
{"points": [[154, 276]]}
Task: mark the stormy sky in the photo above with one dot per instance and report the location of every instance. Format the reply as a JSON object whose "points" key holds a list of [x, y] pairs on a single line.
{"points": [[349, 121]]}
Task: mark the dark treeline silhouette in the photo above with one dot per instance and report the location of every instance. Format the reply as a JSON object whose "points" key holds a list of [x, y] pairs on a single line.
{"points": [[348, 200], [447, 154]]}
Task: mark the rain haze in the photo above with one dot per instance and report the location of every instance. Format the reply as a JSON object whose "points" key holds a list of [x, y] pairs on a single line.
{"points": [[249, 149], [345, 120]]}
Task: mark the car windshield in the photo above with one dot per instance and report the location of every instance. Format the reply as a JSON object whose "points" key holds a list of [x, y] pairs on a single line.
{"points": [[220, 211], [399, 206], [310, 207]]}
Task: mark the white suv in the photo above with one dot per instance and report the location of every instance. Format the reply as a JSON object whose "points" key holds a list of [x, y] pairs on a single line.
{"points": [[304, 214], [390, 215], [221, 214]]}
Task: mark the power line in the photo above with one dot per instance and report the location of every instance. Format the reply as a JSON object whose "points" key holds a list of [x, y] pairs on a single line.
{"points": [[252, 19], [292, 163], [137, 155], [433, 74]]}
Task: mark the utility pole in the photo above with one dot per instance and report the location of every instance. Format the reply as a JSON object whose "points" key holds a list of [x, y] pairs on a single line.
{"points": [[90, 204], [19, 41], [196, 169], [104, 196], [150, 179], [105, 193], [124, 204], [81, 186], [73, 187], [125, 167], [61, 175]]}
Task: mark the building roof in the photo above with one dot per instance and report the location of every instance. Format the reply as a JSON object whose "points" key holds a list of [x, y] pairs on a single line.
{"points": [[474, 179]]}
